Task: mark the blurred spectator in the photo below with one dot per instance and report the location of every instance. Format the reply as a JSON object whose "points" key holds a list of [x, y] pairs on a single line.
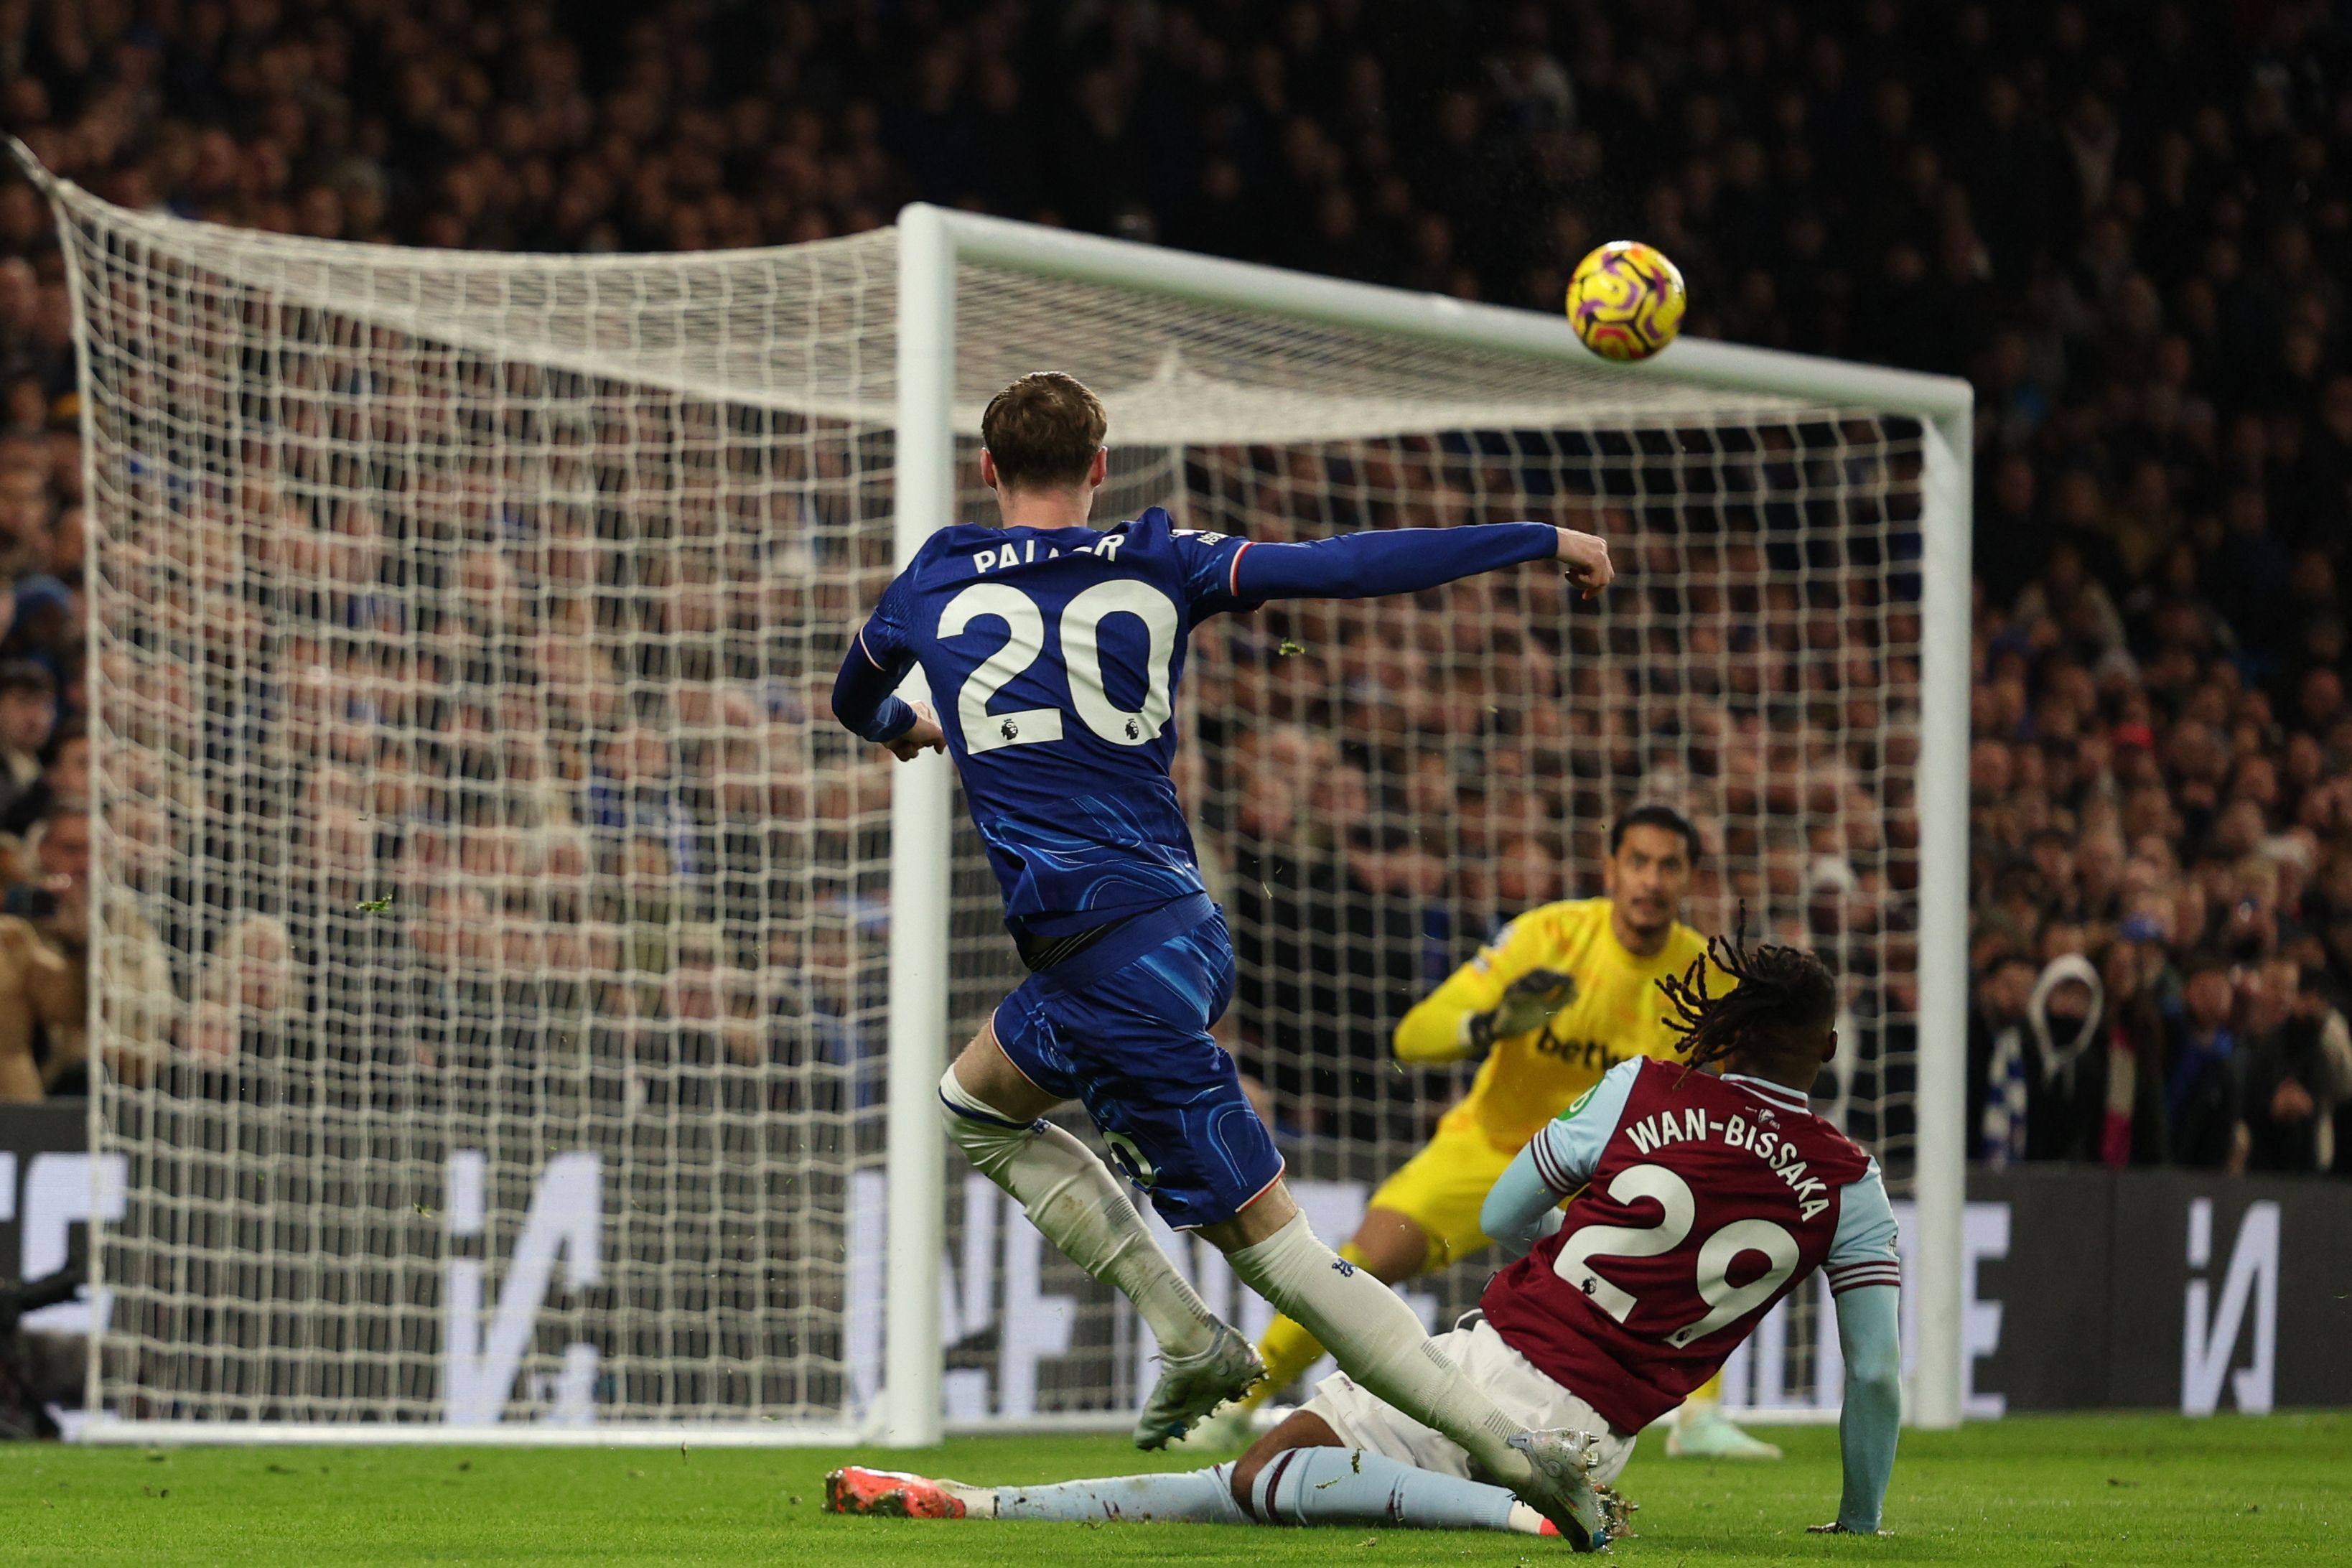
{"points": [[2298, 1074], [39, 992], [241, 1004], [2065, 1074], [64, 776], [133, 969], [1997, 1046], [28, 710], [2204, 1086], [2133, 1128]]}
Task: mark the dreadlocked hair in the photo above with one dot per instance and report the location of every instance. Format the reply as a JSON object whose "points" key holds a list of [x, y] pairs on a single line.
{"points": [[1781, 991]]}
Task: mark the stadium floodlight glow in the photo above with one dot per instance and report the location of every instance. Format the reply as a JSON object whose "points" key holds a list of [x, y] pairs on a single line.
{"points": [[527, 1007]]}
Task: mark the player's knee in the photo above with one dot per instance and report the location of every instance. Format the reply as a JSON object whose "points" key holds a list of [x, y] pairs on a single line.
{"points": [[1241, 1477], [986, 1136], [1300, 1429]]}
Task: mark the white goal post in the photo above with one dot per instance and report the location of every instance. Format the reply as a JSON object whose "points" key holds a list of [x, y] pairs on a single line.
{"points": [[526, 1007]]}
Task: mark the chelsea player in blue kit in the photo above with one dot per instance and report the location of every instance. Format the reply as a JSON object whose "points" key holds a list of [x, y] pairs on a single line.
{"points": [[1054, 650]]}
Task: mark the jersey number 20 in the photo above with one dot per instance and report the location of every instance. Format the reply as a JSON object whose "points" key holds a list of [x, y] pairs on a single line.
{"points": [[1082, 620], [1677, 1210]]}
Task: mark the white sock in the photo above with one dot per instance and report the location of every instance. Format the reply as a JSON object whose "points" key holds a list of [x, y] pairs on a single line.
{"points": [[1072, 1197], [1192, 1497], [1375, 1337]]}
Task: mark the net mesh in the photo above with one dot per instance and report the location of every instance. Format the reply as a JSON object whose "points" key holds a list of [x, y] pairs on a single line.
{"points": [[491, 923]]}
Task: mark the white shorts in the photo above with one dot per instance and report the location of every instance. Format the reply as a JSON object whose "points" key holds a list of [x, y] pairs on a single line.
{"points": [[1364, 1421]]}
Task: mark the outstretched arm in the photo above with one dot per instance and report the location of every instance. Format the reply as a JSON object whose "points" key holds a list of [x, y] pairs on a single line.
{"points": [[1406, 560], [1874, 1404], [1508, 989]]}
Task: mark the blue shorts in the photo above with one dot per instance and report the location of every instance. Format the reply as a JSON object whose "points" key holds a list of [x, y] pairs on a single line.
{"points": [[1127, 1034]]}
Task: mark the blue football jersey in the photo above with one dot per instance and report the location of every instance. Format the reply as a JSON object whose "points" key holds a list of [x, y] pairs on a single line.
{"points": [[1054, 658]]}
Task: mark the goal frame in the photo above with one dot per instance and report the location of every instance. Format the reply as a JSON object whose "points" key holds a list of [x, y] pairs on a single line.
{"points": [[932, 243]]}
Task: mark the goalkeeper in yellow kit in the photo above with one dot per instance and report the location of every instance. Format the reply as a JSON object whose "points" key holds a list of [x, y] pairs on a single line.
{"points": [[1561, 996]]}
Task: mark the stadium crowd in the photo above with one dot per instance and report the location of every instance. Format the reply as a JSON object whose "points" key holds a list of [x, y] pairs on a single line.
{"points": [[2129, 224]]}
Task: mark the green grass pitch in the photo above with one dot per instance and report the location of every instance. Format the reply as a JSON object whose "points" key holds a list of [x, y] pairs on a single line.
{"points": [[2074, 1491]]}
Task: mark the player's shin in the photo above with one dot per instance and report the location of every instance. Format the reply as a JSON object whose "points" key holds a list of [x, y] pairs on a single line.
{"points": [[1187, 1497], [1073, 1199], [1349, 1486], [1380, 1342]]}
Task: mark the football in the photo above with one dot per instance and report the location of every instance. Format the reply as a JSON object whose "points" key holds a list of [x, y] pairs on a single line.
{"points": [[1625, 301]]}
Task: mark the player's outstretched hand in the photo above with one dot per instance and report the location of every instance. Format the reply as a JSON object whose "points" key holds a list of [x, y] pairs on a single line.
{"points": [[923, 735], [1587, 556], [1528, 1004], [1835, 1528]]}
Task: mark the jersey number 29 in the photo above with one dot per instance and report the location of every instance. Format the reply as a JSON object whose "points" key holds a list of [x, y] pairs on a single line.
{"points": [[1082, 620], [1677, 1209]]}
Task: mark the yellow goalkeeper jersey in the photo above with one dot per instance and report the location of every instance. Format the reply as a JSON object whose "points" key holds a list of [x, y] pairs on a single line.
{"points": [[1615, 1013]]}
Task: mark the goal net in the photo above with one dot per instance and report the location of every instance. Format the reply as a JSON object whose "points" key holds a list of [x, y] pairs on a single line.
{"points": [[493, 962]]}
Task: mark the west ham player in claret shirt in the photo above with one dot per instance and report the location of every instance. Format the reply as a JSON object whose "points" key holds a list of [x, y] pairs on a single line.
{"points": [[1699, 1201], [1055, 649]]}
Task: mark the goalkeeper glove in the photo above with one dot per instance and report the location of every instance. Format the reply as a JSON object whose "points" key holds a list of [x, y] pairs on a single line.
{"points": [[1528, 1004]]}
